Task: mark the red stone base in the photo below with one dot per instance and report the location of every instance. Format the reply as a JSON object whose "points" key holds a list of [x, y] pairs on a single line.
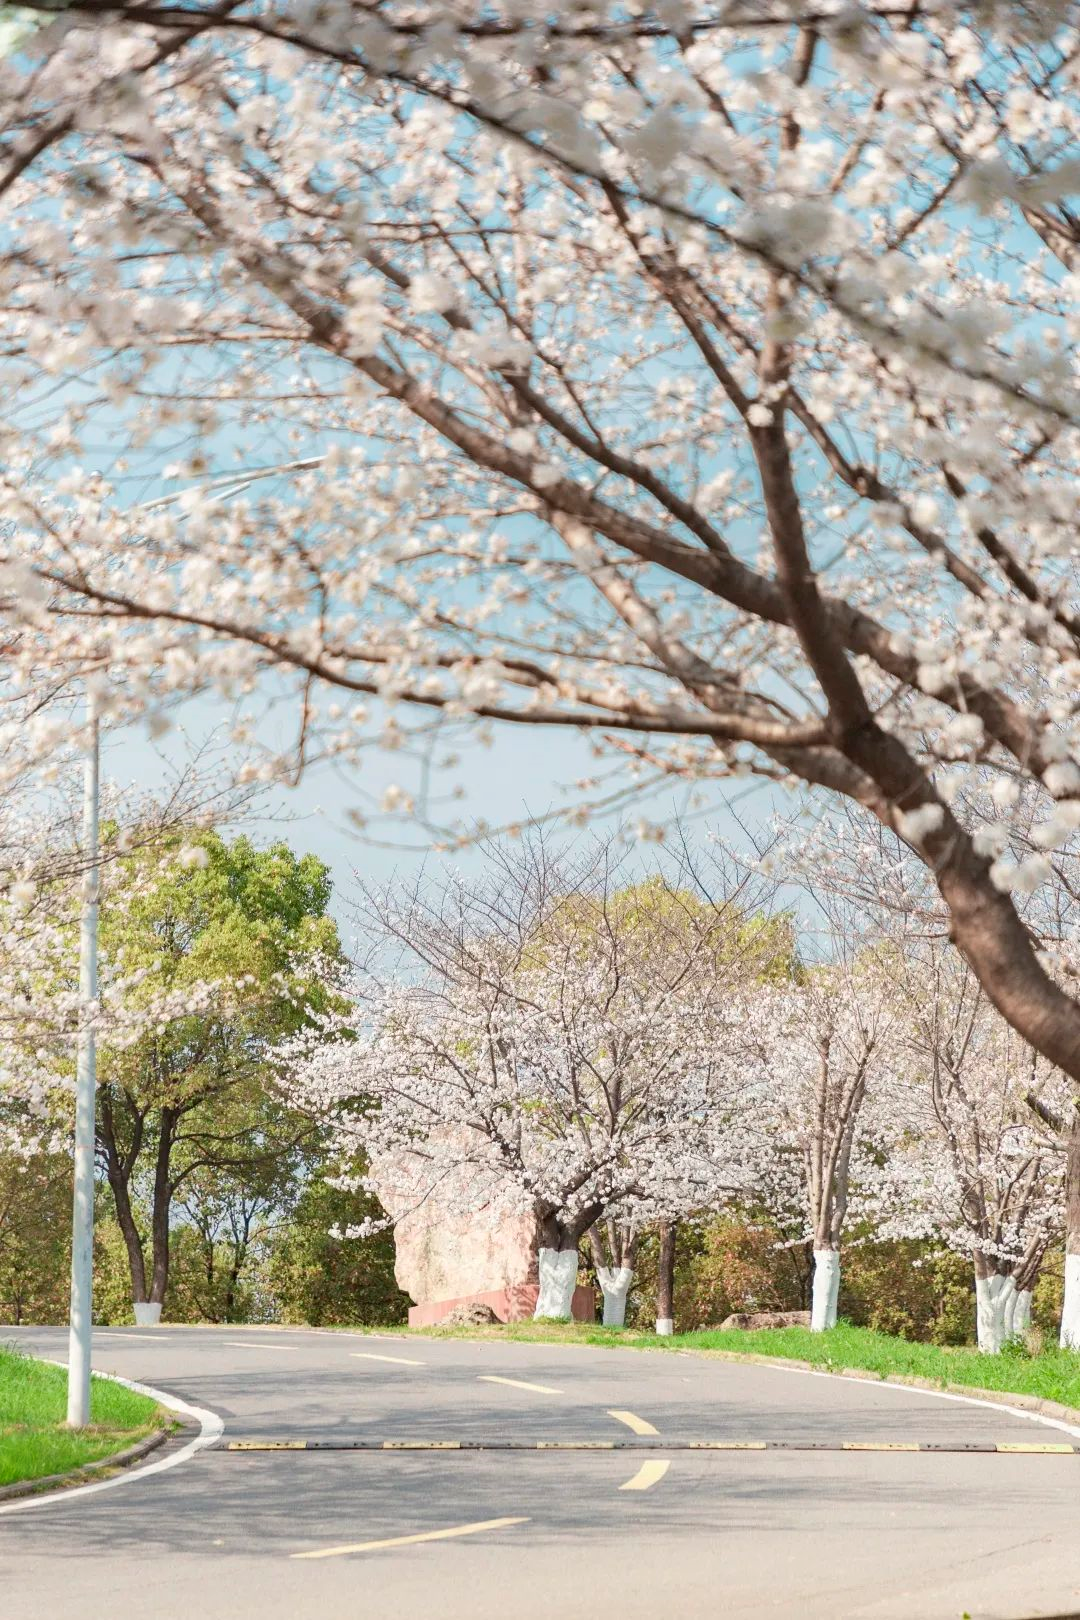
{"points": [[509, 1305]]}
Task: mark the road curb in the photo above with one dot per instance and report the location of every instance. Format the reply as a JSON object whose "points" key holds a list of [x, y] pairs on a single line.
{"points": [[211, 1428], [75, 1476]]}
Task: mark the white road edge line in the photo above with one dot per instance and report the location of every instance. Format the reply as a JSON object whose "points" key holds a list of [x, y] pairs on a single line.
{"points": [[934, 1395], [211, 1428]]}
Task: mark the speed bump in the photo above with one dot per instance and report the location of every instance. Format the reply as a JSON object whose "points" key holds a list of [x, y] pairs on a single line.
{"points": [[1026, 1448]]}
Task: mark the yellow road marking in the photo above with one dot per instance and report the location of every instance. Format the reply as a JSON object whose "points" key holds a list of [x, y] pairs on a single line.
{"points": [[519, 1383], [410, 1541], [246, 1344], [1021, 1445], [400, 1361], [648, 1475], [632, 1421], [135, 1334], [880, 1445]]}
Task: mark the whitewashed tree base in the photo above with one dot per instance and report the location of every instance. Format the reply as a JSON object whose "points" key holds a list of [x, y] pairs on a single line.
{"points": [[995, 1304], [614, 1285], [1070, 1309], [557, 1269], [1021, 1319], [826, 1290], [665, 1326], [147, 1314]]}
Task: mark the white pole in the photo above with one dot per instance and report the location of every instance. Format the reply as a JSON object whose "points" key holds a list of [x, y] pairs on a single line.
{"points": [[82, 1218]]}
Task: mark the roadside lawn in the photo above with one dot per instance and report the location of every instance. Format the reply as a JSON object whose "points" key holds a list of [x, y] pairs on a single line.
{"points": [[33, 1403], [1053, 1375]]}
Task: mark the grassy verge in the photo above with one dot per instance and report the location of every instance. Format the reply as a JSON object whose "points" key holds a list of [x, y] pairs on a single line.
{"points": [[33, 1401], [1054, 1375]]}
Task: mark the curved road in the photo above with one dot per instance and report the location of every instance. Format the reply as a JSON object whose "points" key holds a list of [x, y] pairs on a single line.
{"points": [[545, 1535]]}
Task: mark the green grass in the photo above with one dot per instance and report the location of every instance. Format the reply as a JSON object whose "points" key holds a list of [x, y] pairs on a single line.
{"points": [[33, 1402], [1054, 1375]]}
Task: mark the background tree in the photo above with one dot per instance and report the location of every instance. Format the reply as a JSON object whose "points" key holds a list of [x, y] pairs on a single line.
{"points": [[553, 1043], [192, 1099], [318, 1274], [969, 1167], [35, 1236], [819, 1045]]}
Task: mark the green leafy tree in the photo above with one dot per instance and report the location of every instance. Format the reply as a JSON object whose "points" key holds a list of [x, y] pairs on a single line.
{"points": [[320, 1276], [193, 1097], [35, 1237]]}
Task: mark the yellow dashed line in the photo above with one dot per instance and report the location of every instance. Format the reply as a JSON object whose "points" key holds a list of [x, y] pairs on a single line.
{"points": [[399, 1361], [410, 1541], [245, 1344], [648, 1475], [632, 1421], [519, 1383]]}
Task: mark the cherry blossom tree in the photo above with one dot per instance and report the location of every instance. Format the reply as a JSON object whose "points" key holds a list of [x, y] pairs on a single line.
{"points": [[701, 381], [872, 873], [551, 1042], [668, 1237], [821, 1044], [974, 1171]]}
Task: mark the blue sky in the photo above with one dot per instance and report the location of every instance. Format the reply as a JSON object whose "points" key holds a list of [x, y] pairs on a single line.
{"points": [[525, 772]]}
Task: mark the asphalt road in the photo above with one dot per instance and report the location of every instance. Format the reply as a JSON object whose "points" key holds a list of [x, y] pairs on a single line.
{"points": [[288, 1534]]}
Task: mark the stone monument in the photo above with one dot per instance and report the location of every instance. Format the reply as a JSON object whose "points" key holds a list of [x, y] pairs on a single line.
{"points": [[446, 1258]]}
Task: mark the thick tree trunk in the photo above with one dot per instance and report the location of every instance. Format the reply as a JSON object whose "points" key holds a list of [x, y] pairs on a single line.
{"points": [[558, 1278], [132, 1241], [826, 1290], [615, 1285], [995, 1296], [665, 1280], [118, 1170], [230, 1291], [159, 1222], [1070, 1308]]}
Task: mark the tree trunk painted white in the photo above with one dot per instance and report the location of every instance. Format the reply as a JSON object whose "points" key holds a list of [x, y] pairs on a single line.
{"points": [[1070, 1308], [558, 1279], [994, 1304], [665, 1326], [147, 1313], [614, 1285], [826, 1289], [1021, 1321]]}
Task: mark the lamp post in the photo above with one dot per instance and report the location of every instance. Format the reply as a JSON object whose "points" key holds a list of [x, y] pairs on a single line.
{"points": [[82, 1219]]}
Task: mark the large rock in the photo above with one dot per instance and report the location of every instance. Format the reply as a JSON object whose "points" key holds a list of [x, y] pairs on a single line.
{"points": [[750, 1320], [445, 1255], [447, 1259]]}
